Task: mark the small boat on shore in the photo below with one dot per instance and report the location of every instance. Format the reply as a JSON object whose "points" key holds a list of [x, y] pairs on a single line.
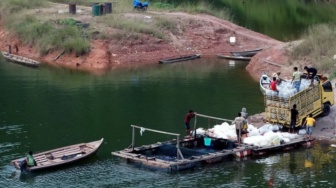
{"points": [[239, 58], [179, 59], [20, 60], [264, 83], [61, 156], [247, 53]]}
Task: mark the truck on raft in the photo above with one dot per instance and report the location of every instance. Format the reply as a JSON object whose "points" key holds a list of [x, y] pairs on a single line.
{"points": [[313, 99]]}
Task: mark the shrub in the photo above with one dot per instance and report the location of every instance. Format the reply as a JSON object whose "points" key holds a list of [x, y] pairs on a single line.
{"points": [[319, 45]]}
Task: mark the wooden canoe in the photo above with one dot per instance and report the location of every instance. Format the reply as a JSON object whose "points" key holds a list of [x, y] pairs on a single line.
{"points": [[61, 156], [179, 59], [234, 57], [20, 60], [264, 83], [247, 53]]}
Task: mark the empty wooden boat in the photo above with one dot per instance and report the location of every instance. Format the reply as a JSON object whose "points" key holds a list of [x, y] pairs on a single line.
{"points": [[240, 58], [247, 53], [61, 156], [179, 59], [20, 60]]}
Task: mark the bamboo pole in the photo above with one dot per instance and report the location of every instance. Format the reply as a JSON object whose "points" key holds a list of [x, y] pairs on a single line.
{"points": [[157, 131], [269, 62], [206, 116], [179, 153], [133, 137], [195, 122]]}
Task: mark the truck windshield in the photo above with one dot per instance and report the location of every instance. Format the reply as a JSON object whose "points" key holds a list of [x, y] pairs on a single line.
{"points": [[327, 87]]}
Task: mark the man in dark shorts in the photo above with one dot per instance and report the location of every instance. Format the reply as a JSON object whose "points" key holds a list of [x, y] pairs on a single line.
{"points": [[239, 123], [294, 117], [187, 119], [311, 71]]}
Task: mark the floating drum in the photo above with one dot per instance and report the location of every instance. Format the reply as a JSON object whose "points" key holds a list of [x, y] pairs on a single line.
{"points": [[95, 9], [108, 8], [72, 8], [102, 9]]}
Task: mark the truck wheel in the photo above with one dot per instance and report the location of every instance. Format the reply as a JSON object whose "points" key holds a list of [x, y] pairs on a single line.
{"points": [[326, 109]]}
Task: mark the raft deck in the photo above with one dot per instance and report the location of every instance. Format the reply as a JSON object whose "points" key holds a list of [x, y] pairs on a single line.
{"points": [[180, 154]]}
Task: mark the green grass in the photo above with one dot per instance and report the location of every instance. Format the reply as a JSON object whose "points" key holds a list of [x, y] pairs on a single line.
{"points": [[201, 7], [319, 46], [8, 7], [120, 6], [64, 35], [131, 26], [44, 35], [166, 24]]}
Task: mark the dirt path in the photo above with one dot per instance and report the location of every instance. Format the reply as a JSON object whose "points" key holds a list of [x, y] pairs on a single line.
{"points": [[326, 126]]}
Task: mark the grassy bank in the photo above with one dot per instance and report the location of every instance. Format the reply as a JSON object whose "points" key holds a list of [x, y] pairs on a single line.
{"points": [[46, 36], [319, 46], [199, 7]]}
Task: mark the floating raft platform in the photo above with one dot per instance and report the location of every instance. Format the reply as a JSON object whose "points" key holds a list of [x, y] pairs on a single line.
{"points": [[162, 156], [295, 143], [186, 153]]}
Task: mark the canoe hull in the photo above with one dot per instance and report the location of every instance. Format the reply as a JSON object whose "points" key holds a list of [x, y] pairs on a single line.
{"points": [[61, 156], [179, 59], [20, 60], [234, 57], [247, 53]]}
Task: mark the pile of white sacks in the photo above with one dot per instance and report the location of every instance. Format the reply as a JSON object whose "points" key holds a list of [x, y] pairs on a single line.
{"points": [[287, 90], [267, 135]]}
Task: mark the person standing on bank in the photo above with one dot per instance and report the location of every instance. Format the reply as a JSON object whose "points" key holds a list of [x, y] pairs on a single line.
{"points": [[16, 48], [310, 123], [9, 49], [187, 119], [239, 122], [311, 73], [294, 118], [296, 81]]}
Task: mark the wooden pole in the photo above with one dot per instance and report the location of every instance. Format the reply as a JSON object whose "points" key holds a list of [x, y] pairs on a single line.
{"points": [[195, 122], [179, 153], [133, 137], [211, 117]]}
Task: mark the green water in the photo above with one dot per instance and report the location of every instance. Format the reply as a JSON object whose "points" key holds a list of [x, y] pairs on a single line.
{"points": [[281, 19], [47, 108]]}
